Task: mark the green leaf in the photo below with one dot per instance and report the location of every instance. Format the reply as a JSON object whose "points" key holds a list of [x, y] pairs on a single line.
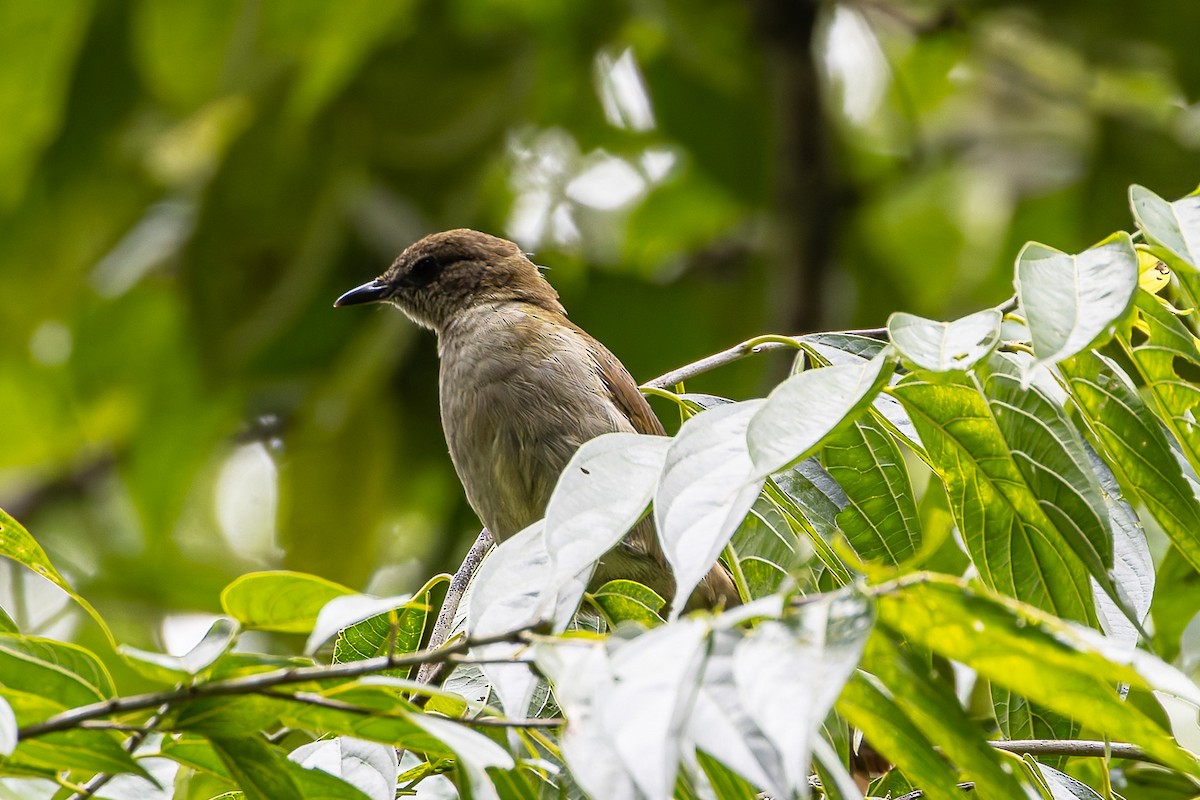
{"points": [[282, 601], [374, 636], [867, 705], [764, 546], [195, 752], [1168, 362], [1136, 447], [1054, 664], [945, 346], [1072, 301], [726, 784], [17, 543], [174, 669], [811, 500], [937, 713], [629, 600], [350, 609], [374, 711], [807, 407], [62, 672], [258, 767], [77, 749], [880, 520], [1173, 225], [1012, 542]]}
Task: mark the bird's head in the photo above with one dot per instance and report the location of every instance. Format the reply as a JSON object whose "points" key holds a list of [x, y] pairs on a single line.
{"points": [[446, 274]]}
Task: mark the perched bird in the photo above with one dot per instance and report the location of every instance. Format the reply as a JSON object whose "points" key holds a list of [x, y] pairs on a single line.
{"points": [[522, 387]]}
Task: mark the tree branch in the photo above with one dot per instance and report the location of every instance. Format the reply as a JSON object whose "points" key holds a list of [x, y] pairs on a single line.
{"points": [[750, 347], [1080, 748], [430, 671], [253, 684]]}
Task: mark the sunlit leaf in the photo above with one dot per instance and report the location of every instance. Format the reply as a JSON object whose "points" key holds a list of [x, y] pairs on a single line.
{"points": [[604, 489], [1012, 542], [788, 674], [707, 487], [173, 669], [287, 602], [1065, 668], [350, 609], [945, 346], [867, 705], [1071, 301], [1173, 225], [17, 543], [800, 412], [1136, 447], [1168, 362], [367, 766]]}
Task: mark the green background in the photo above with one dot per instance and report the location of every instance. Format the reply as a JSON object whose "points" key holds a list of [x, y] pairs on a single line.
{"points": [[186, 186]]}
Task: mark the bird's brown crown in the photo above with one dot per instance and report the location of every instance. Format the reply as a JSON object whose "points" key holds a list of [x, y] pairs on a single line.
{"points": [[447, 273]]}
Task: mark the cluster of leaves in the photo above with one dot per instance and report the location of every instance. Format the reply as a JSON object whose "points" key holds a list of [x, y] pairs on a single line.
{"points": [[959, 512]]}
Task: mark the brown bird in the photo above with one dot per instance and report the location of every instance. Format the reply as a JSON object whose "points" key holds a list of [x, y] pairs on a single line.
{"points": [[522, 387]]}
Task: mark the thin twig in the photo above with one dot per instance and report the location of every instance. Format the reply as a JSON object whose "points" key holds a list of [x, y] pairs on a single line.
{"points": [[254, 684], [429, 672], [919, 793], [497, 722], [1079, 748]]}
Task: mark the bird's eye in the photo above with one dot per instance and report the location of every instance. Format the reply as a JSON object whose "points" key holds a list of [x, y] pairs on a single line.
{"points": [[424, 271]]}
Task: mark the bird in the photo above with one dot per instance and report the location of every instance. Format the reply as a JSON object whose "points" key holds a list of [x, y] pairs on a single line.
{"points": [[521, 388]]}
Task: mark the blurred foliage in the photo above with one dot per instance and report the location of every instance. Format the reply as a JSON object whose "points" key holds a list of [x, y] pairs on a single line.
{"points": [[186, 186]]}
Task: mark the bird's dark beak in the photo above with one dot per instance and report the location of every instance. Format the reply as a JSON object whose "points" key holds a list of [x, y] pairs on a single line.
{"points": [[371, 292]]}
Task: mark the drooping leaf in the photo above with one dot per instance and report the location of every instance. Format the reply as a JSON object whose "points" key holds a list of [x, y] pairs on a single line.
{"points": [[937, 713], [707, 487], [788, 674], [764, 546], [257, 767], [1173, 225], [1167, 360], [603, 491], [1072, 301], [17, 543], [867, 705], [800, 412], [880, 520], [173, 669], [1012, 542], [945, 346], [283, 601], [1066, 668], [1136, 447], [475, 752], [811, 500], [59, 671], [77, 749]]}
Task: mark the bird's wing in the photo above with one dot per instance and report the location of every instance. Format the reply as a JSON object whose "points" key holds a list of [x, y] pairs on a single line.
{"points": [[624, 392]]}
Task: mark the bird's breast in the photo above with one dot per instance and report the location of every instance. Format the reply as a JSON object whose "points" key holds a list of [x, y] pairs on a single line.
{"points": [[519, 395]]}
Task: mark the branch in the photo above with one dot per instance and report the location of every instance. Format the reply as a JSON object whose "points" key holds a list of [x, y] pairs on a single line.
{"points": [[254, 684], [430, 671], [750, 347], [1081, 748]]}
